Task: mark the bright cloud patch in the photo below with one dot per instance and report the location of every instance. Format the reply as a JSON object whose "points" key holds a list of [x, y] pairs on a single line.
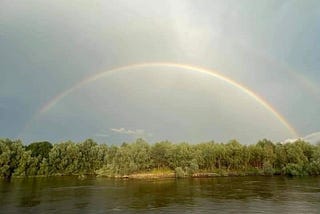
{"points": [[311, 138], [136, 133]]}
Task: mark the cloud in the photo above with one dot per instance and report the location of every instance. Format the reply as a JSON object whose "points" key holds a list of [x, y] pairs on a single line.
{"points": [[311, 138], [290, 140], [141, 133]]}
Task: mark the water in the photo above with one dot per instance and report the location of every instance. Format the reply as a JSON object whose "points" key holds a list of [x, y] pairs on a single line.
{"points": [[214, 195]]}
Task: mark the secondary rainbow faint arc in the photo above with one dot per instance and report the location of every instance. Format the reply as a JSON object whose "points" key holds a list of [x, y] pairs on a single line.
{"points": [[225, 79]]}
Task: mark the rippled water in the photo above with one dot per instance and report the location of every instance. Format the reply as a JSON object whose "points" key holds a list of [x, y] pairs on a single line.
{"points": [[214, 195]]}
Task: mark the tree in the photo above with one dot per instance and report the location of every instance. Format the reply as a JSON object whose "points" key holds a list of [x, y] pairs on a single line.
{"points": [[89, 157], [220, 150], [160, 154], [64, 158], [38, 152], [256, 156], [206, 155], [180, 155], [281, 157], [233, 154], [11, 153], [40, 149]]}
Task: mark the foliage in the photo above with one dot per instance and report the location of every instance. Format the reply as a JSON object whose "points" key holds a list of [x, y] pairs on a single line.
{"points": [[90, 158], [40, 149], [179, 172], [12, 156]]}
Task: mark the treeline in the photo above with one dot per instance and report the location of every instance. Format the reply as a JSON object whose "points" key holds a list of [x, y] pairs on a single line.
{"points": [[91, 158]]}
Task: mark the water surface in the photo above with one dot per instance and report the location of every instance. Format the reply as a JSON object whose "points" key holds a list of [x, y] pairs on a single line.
{"points": [[203, 195]]}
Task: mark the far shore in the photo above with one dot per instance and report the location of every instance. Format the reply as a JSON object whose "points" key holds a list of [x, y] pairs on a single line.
{"points": [[152, 175], [172, 174]]}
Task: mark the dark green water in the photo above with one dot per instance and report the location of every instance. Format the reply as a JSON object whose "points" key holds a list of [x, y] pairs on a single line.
{"points": [[214, 195]]}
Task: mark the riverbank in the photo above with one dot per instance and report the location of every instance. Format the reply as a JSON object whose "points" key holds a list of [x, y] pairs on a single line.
{"points": [[164, 175], [163, 159], [160, 174]]}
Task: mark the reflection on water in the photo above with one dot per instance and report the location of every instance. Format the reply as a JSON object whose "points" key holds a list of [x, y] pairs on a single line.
{"points": [[101, 195]]}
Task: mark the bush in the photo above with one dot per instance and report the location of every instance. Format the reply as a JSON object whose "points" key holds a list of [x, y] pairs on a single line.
{"points": [[193, 167], [313, 168], [179, 172], [268, 169], [293, 169]]}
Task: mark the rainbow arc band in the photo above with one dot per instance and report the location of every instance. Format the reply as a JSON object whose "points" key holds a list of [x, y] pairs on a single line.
{"points": [[52, 102]]}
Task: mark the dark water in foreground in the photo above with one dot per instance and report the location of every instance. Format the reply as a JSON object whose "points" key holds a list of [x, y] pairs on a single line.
{"points": [[214, 195]]}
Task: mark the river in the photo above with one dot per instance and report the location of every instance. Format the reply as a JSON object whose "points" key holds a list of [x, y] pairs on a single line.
{"points": [[201, 195]]}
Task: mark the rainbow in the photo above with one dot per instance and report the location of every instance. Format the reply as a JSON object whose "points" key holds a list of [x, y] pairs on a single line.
{"points": [[47, 106]]}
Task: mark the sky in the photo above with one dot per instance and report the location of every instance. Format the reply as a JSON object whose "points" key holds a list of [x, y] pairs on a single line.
{"points": [[267, 53]]}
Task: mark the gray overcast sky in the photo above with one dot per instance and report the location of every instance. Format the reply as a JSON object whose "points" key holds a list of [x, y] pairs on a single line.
{"points": [[270, 47]]}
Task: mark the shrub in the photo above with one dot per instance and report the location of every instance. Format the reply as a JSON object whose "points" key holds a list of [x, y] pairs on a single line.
{"points": [[294, 169], [179, 172]]}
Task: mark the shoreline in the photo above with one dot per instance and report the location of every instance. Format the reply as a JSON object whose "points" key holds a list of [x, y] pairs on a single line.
{"points": [[146, 176]]}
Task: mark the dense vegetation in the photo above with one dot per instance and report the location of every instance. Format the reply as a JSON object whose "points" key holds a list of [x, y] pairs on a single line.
{"points": [[90, 158]]}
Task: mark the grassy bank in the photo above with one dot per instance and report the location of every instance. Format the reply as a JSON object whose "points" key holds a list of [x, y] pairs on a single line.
{"points": [[180, 173]]}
